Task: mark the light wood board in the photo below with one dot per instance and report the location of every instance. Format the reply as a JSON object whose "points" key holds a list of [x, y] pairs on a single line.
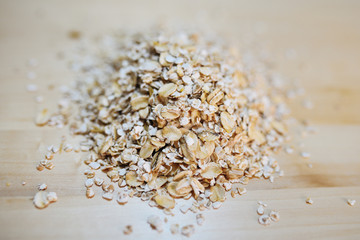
{"points": [[326, 37]]}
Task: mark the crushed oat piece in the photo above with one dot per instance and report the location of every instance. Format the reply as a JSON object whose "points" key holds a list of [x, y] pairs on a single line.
{"points": [[98, 181], [241, 191], [42, 187], [128, 230], [49, 165], [68, 147], [200, 219], [52, 197], [309, 201], [108, 196], [49, 156], [351, 202], [42, 118], [39, 99], [74, 34], [274, 216], [90, 193], [174, 228], [188, 230], [261, 210], [94, 165], [264, 220], [308, 104], [39, 167], [289, 150], [123, 197], [89, 182], [31, 88], [40, 200], [216, 205], [305, 155], [155, 223], [23, 183], [185, 208]]}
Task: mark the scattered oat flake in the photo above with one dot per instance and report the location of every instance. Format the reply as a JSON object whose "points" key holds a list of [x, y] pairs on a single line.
{"points": [[174, 228], [264, 220], [155, 223], [52, 197], [274, 216], [289, 150], [39, 99], [94, 165], [309, 201], [308, 104], [98, 181], [128, 230], [108, 196], [74, 34], [188, 230], [216, 205], [305, 155], [200, 219], [40, 200], [261, 210], [89, 182], [42, 187], [31, 88], [241, 191], [351, 202], [31, 76], [90, 193]]}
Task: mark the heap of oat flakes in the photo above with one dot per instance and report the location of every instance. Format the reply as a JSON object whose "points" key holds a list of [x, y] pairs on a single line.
{"points": [[172, 116]]}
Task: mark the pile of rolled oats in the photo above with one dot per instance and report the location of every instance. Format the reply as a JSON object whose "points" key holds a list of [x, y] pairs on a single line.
{"points": [[172, 116]]}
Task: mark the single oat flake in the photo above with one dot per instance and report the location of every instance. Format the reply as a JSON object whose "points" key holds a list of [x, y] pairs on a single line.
{"points": [[309, 201], [351, 202]]}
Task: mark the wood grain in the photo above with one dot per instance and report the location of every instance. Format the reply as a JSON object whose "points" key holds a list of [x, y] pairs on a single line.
{"points": [[326, 37]]}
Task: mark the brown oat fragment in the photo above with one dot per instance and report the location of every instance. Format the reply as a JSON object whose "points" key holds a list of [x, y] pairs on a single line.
{"points": [[42, 187], [274, 216], [40, 200], [90, 193], [351, 202], [174, 228], [43, 117], [155, 223], [264, 220], [200, 219], [128, 230], [309, 201], [188, 230]]}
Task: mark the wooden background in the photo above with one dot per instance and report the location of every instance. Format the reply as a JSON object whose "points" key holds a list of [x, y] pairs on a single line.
{"points": [[326, 38]]}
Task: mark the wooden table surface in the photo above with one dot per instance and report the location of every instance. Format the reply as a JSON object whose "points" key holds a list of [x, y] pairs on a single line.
{"points": [[316, 42]]}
